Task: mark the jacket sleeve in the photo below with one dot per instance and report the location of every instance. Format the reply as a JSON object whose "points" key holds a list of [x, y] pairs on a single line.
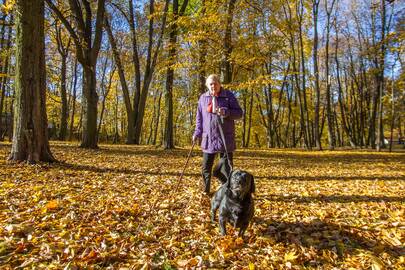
{"points": [[198, 122], [234, 111]]}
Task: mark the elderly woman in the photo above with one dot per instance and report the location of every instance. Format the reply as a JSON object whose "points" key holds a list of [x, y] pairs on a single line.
{"points": [[216, 108]]}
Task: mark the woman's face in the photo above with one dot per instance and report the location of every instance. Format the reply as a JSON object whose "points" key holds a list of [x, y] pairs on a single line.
{"points": [[213, 86]]}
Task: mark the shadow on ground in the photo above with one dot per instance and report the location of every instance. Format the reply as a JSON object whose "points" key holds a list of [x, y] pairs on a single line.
{"points": [[330, 198], [325, 236]]}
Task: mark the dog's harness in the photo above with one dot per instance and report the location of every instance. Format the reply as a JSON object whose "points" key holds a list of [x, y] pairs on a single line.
{"points": [[220, 121]]}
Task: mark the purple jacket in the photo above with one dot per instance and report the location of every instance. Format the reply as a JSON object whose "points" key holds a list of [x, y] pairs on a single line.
{"points": [[207, 125]]}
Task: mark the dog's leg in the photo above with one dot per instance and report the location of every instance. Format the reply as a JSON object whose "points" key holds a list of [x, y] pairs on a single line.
{"points": [[222, 224], [214, 207]]}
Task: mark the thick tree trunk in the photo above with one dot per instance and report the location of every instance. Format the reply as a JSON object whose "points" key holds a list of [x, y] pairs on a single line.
{"points": [[30, 137], [89, 137]]}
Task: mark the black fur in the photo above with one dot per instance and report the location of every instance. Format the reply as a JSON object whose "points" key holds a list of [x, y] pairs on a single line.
{"points": [[234, 201]]}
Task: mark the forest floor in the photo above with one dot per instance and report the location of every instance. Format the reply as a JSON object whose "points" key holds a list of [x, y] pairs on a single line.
{"points": [[118, 208]]}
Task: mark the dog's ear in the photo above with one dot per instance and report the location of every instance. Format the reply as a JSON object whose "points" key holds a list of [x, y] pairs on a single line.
{"points": [[252, 184]]}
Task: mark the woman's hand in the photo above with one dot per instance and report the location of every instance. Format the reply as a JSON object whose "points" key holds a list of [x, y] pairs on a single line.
{"points": [[221, 111]]}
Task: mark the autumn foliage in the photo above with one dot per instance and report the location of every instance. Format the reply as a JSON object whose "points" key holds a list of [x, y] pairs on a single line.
{"points": [[117, 207]]}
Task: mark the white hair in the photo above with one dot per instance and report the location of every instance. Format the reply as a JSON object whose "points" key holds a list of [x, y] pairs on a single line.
{"points": [[213, 77]]}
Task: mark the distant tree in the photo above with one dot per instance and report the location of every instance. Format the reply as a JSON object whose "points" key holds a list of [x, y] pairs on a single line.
{"points": [[87, 39], [30, 136]]}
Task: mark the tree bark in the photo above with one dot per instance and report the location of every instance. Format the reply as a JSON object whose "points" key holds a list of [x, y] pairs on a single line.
{"points": [[63, 51], [306, 127], [168, 142], [30, 136], [5, 69], [381, 66], [74, 90], [315, 9], [329, 110], [226, 65], [202, 52]]}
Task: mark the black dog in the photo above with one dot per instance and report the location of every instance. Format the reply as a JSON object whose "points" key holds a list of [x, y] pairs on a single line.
{"points": [[235, 202]]}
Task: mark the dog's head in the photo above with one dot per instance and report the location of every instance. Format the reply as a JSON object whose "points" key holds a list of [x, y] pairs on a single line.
{"points": [[241, 184]]}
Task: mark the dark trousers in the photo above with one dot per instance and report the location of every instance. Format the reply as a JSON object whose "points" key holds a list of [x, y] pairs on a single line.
{"points": [[221, 170]]}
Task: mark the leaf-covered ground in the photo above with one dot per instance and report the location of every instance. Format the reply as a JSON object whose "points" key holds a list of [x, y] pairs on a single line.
{"points": [[118, 208]]}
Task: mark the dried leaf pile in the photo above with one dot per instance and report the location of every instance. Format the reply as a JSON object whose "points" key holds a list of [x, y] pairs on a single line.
{"points": [[118, 208]]}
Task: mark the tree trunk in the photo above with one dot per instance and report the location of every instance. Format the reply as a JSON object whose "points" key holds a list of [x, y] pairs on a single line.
{"points": [[329, 110], [244, 99], [87, 49], [226, 66], [106, 90], [64, 112], [381, 64], [340, 95], [89, 137], [157, 119], [315, 9], [5, 69], [63, 51], [124, 86], [30, 136], [168, 137], [202, 50], [150, 67], [306, 127], [250, 118], [72, 117]]}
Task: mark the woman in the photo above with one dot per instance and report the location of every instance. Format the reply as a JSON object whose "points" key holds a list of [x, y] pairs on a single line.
{"points": [[217, 108]]}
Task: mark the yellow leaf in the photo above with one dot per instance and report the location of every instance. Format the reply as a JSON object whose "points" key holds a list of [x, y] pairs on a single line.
{"points": [[251, 266], [290, 256]]}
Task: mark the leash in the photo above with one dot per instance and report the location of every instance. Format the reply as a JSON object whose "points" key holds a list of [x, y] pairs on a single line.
{"points": [[185, 166], [220, 121]]}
